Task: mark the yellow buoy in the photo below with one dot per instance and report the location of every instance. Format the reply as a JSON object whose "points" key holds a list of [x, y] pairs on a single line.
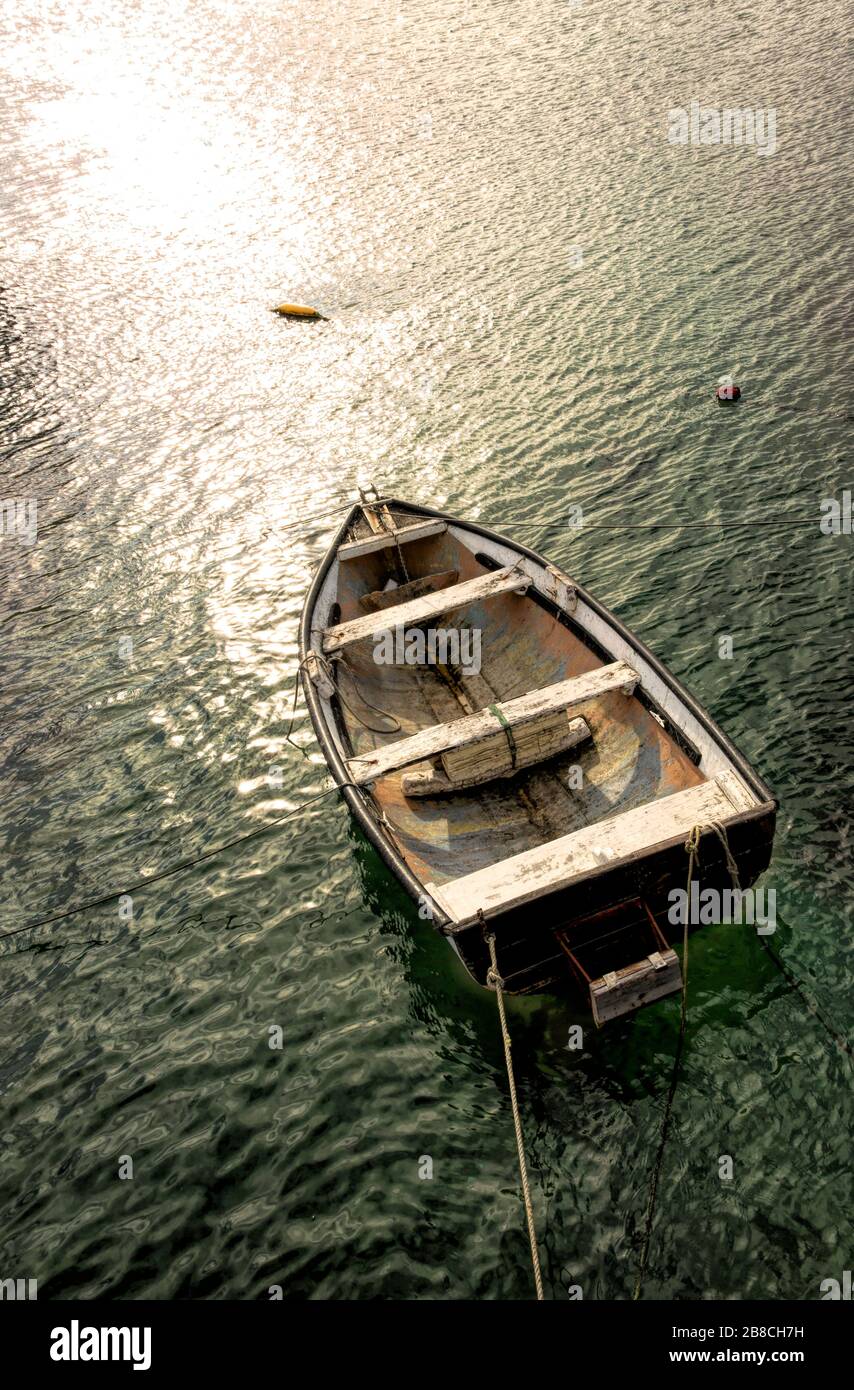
{"points": [[298, 311]]}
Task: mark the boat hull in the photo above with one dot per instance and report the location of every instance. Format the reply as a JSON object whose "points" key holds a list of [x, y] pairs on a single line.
{"points": [[530, 955]]}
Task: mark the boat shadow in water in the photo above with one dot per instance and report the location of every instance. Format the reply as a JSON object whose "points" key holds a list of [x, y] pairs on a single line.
{"points": [[591, 1099], [554, 1036]]}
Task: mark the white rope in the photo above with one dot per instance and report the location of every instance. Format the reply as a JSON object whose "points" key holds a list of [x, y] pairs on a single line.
{"points": [[493, 978]]}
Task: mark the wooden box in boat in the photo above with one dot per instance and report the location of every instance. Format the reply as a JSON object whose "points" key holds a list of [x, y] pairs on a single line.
{"points": [[554, 780]]}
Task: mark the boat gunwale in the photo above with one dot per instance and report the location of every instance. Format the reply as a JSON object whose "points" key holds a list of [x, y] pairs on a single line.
{"points": [[359, 799]]}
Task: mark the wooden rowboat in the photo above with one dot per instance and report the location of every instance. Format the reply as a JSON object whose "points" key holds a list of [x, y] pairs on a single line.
{"points": [[539, 780]]}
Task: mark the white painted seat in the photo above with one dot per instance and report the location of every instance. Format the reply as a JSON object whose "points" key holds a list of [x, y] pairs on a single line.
{"points": [[525, 877], [419, 610], [381, 540], [473, 728]]}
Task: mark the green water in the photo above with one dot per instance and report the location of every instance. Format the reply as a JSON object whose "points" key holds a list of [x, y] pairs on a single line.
{"points": [[531, 296]]}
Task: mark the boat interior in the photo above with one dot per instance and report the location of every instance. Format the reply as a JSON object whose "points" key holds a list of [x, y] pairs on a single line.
{"points": [[599, 759]]}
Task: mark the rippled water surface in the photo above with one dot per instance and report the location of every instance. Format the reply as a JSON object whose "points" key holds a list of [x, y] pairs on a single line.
{"points": [[531, 295]]}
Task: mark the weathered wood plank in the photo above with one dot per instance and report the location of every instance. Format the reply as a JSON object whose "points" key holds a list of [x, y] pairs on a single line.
{"points": [[418, 610], [373, 520], [630, 988], [380, 599], [440, 738], [494, 758], [351, 550], [534, 741], [525, 877]]}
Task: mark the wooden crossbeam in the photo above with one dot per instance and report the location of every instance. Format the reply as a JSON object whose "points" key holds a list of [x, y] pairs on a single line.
{"points": [[441, 738], [418, 610], [535, 872], [380, 540]]}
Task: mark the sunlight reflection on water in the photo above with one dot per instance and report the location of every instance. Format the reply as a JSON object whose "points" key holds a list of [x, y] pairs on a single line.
{"points": [[530, 297]]}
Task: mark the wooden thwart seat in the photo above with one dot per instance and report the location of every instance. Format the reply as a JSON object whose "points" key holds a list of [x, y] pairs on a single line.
{"points": [[525, 877], [419, 610], [499, 755], [379, 599], [474, 728], [381, 540]]}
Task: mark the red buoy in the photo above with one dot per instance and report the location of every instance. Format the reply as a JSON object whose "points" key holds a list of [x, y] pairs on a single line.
{"points": [[726, 393]]}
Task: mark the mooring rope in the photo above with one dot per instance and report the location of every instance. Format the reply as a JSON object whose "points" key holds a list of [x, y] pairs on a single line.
{"points": [[175, 868], [392, 718], [692, 849], [298, 746], [328, 670], [795, 983], [768, 948], [493, 978]]}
